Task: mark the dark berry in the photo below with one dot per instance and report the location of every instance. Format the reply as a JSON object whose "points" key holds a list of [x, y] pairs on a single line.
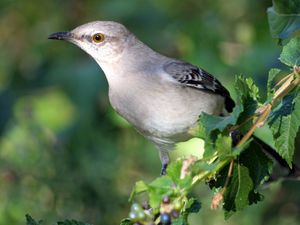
{"points": [[165, 218], [166, 200], [146, 206], [174, 213]]}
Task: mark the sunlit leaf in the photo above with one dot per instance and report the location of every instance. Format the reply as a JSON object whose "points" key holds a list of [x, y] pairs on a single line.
{"points": [[139, 187], [160, 187], [290, 54], [174, 170]]}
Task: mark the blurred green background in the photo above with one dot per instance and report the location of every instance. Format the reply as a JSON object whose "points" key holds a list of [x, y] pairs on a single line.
{"points": [[64, 153]]}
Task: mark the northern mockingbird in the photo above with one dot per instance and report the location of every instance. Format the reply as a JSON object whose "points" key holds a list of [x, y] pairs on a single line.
{"points": [[162, 97]]}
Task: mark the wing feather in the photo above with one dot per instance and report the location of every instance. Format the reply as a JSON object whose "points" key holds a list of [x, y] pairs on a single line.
{"points": [[192, 76]]}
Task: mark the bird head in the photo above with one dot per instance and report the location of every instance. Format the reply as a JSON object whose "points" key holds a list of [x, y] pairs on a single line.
{"points": [[103, 40]]}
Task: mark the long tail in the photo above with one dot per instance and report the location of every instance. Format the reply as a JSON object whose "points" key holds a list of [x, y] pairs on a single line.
{"points": [[283, 170]]}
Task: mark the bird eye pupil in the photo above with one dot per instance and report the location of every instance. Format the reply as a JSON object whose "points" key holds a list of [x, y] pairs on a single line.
{"points": [[98, 37]]}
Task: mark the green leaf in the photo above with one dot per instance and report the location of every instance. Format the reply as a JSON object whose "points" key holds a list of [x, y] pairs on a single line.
{"points": [[31, 221], [224, 147], [284, 122], [290, 54], [126, 222], [179, 221], [246, 88], [259, 165], [192, 206], [251, 169], [71, 222], [174, 170], [248, 97], [273, 73], [244, 186], [211, 122], [160, 187], [210, 126], [202, 166], [139, 187], [287, 6], [238, 150], [283, 18], [236, 196], [163, 182]]}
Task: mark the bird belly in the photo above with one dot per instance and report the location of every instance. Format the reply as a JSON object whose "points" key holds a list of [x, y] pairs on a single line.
{"points": [[165, 114]]}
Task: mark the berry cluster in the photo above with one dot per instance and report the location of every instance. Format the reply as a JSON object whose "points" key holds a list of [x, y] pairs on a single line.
{"points": [[144, 215]]}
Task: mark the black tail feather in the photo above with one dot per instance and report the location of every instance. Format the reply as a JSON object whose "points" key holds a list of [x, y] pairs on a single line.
{"points": [[284, 171]]}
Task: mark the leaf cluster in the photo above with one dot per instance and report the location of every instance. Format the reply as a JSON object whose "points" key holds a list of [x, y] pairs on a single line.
{"points": [[234, 163]]}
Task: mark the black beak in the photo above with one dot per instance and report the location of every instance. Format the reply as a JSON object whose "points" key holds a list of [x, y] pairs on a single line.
{"points": [[61, 36]]}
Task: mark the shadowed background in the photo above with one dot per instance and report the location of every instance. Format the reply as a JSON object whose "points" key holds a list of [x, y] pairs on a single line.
{"points": [[64, 153]]}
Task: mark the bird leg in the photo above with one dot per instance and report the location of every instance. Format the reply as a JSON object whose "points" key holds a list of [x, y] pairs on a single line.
{"points": [[165, 159], [163, 169]]}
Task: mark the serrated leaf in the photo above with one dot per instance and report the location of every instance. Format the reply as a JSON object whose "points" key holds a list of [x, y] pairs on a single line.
{"points": [[290, 54], [260, 166], [211, 122], [284, 122], [248, 97], [284, 18], [246, 88], [210, 125], [174, 170], [224, 147], [221, 148], [252, 169], [31, 221]]}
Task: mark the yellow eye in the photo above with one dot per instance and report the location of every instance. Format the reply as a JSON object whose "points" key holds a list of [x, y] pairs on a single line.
{"points": [[98, 37]]}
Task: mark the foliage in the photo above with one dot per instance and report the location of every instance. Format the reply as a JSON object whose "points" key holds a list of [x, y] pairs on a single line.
{"points": [[64, 153], [31, 221], [234, 171], [284, 18]]}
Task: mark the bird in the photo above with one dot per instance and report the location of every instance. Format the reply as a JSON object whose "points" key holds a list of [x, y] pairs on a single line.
{"points": [[162, 97]]}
